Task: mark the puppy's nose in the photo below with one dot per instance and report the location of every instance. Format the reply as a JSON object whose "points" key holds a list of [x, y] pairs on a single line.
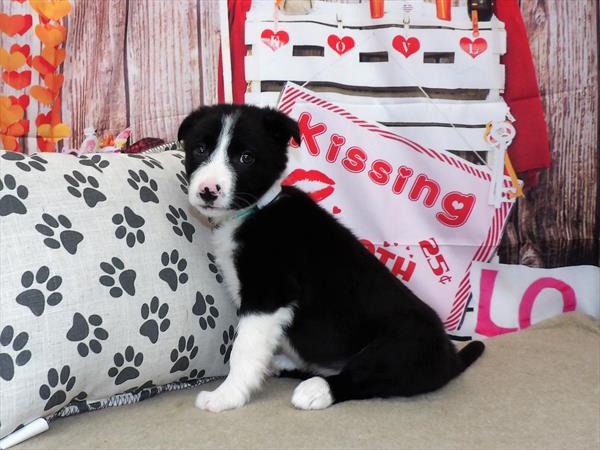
{"points": [[209, 192]]}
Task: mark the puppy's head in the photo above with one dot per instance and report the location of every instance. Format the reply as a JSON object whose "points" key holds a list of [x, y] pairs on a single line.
{"points": [[234, 154]]}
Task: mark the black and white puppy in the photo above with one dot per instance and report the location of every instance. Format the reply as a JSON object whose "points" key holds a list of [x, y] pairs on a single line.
{"points": [[311, 297]]}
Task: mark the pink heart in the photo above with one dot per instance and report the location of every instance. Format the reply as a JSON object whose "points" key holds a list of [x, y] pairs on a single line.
{"points": [[473, 48], [340, 45], [274, 40], [457, 205], [406, 46]]}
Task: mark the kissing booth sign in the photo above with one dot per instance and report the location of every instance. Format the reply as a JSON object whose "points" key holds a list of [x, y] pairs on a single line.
{"points": [[424, 213]]}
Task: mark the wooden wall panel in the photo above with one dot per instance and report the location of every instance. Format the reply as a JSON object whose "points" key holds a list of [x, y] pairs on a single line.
{"points": [[94, 91], [210, 44], [163, 65], [557, 223]]}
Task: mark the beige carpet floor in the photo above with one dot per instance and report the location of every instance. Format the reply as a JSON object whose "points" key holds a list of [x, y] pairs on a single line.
{"points": [[538, 389]]}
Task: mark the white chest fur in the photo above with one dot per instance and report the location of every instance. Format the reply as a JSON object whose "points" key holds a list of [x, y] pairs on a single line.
{"points": [[225, 247]]}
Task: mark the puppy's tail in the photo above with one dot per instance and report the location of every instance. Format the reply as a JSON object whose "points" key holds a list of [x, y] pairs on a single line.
{"points": [[469, 353]]}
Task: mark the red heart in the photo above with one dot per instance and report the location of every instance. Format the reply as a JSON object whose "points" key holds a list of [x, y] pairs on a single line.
{"points": [[336, 210], [41, 65], [43, 118], [473, 48], [340, 45], [386, 244], [22, 49], [22, 101], [406, 46], [405, 172], [274, 40], [16, 24], [17, 80]]}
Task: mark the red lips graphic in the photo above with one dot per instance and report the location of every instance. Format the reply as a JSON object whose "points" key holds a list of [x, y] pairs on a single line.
{"points": [[300, 175]]}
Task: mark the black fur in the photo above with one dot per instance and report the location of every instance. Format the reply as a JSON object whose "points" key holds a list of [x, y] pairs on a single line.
{"points": [[350, 311]]}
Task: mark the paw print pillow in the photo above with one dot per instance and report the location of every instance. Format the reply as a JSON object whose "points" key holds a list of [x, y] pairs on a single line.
{"points": [[109, 290]]}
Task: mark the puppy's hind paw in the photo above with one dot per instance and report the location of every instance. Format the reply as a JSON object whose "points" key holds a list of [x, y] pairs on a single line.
{"points": [[313, 393]]}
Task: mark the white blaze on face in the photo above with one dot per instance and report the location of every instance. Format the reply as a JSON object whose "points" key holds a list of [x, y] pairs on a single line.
{"points": [[216, 171]]}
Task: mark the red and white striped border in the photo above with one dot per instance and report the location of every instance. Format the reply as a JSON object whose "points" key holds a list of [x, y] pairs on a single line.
{"points": [[485, 251]]}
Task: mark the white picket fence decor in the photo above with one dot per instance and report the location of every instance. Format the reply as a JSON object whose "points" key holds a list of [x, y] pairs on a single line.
{"points": [[379, 68]]}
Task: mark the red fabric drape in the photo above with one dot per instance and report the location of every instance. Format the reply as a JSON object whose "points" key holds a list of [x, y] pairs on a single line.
{"points": [[237, 20], [529, 151]]}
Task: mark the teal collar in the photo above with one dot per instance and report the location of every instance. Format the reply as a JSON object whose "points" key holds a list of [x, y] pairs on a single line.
{"points": [[245, 213], [272, 195]]}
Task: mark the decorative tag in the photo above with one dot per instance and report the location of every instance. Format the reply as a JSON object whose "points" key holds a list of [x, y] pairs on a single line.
{"points": [[274, 40], [473, 48], [406, 46], [340, 45]]}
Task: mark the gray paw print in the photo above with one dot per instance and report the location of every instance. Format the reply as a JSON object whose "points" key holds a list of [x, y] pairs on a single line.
{"points": [[80, 330], [132, 220], [26, 164], [95, 161], [169, 274], [37, 298], [227, 345], [155, 317], [12, 352], [194, 375], [12, 196], [91, 195], [183, 182], [212, 266], [55, 392], [183, 353], [124, 372], [204, 307], [181, 226], [67, 238], [116, 270], [147, 160], [142, 183]]}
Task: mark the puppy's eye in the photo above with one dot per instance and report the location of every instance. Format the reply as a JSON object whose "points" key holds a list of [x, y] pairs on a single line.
{"points": [[201, 148], [247, 158]]}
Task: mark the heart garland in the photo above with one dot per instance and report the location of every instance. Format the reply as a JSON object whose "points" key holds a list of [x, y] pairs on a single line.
{"points": [[52, 33], [407, 46]]}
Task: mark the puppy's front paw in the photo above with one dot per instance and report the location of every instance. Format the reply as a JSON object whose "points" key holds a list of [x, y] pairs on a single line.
{"points": [[220, 400], [313, 393]]}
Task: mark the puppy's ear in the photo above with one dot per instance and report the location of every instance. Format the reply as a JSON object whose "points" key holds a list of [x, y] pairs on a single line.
{"points": [[281, 126], [190, 121]]}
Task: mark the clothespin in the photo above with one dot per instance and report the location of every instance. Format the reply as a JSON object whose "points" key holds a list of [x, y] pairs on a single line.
{"points": [[475, 17], [443, 9], [340, 23], [376, 9], [276, 8], [480, 10]]}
